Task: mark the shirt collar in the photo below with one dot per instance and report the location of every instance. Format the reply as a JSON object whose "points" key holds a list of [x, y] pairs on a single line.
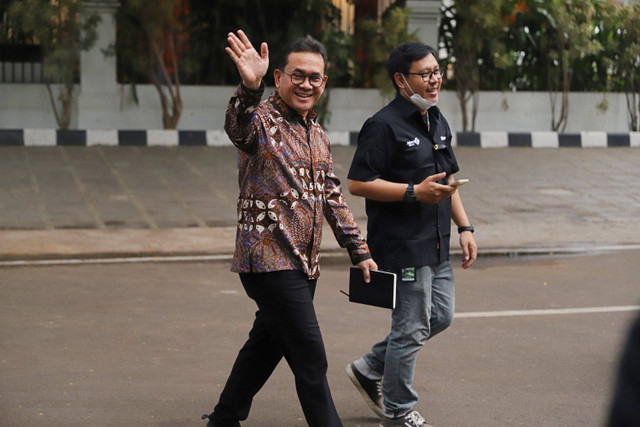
{"points": [[289, 113], [407, 109]]}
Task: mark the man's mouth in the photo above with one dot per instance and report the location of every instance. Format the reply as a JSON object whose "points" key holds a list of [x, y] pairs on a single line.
{"points": [[432, 91], [302, 95]]}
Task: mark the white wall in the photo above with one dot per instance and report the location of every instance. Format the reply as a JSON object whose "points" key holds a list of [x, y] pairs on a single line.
{"points": [[498, 111], [531, 111], [27, 106]]}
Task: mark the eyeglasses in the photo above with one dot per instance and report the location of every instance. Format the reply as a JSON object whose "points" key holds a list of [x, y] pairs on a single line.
{"points": [[315, 80], [426, 76]]}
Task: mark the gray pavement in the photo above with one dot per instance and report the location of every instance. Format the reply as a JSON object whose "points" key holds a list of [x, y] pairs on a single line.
{"points": [[151, 344], [158, 201]]}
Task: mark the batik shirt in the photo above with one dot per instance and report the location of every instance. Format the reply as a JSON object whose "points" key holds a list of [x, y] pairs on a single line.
{"points": [[287, 186]]}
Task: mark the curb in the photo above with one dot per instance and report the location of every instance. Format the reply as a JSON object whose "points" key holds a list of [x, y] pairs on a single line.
{"points": [[129, 137], [218, 138], [547, 139], [328, 255]]}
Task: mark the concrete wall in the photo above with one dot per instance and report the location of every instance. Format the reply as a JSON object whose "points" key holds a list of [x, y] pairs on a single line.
{"points": [[103, 104], [28, 106]]}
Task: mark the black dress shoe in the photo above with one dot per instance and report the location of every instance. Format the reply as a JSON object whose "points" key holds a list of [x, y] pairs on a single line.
{"points": [[219, 423]]}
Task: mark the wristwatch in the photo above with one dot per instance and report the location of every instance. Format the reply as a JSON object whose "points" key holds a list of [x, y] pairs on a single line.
{"points": [[409, 195], [466, 228]]}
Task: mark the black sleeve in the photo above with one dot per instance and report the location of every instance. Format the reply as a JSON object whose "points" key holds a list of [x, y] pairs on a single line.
{"points": [[375, 152], [453, 165]]}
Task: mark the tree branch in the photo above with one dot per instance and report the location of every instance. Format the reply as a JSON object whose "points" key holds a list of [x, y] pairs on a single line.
{"points": [[53, 105]]}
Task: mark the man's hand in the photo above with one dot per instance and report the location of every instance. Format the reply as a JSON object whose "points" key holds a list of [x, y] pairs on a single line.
{"points": [[366, 266], [251, 65], [431, 191], [469, 249]]}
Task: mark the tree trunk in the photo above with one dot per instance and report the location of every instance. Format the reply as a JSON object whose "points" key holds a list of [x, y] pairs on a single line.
{"points": [[475, 101], [171, 101], [460, 93], [565, 82], [65, 96], [633, 108], [467, 89]]}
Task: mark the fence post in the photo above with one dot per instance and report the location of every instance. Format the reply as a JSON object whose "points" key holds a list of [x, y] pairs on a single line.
{"points": [[424, 17]]}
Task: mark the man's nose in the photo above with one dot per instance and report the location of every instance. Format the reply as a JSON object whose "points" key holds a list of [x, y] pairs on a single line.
{"points": [[306, 82]]}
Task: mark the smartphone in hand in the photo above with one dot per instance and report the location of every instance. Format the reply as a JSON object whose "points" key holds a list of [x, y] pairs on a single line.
{"points": [[458, 183]]}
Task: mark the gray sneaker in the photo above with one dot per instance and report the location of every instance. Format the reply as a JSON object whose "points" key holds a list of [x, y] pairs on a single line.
{"points": [[412, 419], [371, 390]]}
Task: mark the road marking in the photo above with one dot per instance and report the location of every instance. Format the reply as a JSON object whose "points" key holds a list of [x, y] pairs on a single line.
{"points": [[547, 312]]}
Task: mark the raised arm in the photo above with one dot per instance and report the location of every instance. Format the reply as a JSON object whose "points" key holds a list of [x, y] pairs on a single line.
{"points": [[252, 67]]}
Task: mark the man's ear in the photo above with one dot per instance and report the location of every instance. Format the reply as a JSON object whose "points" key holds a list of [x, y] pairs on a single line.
{"points": [[399, 80], [277, 75]]}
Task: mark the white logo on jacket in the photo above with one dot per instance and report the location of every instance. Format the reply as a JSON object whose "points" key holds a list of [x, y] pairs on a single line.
{"points": [[413, 143]]}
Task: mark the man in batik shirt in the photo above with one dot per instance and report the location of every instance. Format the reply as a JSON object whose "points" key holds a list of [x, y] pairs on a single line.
{"points": [[287, 186]]}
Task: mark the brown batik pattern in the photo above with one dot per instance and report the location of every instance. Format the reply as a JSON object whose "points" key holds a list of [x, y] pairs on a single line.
{"points": [[287, 186]]}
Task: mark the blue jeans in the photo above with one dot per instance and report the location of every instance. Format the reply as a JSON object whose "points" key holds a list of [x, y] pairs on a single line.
{"points": [[424, 308]]}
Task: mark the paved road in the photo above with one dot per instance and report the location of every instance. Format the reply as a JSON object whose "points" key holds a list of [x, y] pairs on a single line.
{"points": [[151, 344]]}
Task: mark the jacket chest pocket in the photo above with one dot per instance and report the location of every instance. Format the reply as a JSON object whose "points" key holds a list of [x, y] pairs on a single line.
{"points": [[444, 158], [416, 158]]}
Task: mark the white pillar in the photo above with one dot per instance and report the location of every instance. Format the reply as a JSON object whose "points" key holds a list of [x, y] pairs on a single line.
{"points": [[424, 17], [98, 100]]}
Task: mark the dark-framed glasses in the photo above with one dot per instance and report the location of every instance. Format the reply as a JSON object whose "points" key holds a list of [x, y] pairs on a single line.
{"points": [[426, 76], [315, 80]]}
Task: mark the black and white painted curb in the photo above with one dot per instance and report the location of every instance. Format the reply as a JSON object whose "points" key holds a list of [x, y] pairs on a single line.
{"points": [[548, 139], [143, 138]]}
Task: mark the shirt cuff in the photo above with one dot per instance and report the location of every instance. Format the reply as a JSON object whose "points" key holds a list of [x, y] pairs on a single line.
{"points": [[249, 96], [357, 258]]}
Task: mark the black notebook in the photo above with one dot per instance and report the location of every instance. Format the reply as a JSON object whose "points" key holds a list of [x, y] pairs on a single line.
{"points": [[379, 292]]}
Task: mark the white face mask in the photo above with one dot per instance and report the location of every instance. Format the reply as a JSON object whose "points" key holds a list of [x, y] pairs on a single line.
{"points": [[417, 100]]}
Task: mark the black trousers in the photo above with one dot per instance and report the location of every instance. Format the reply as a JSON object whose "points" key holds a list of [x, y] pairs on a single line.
{"points": [[285, 325]]}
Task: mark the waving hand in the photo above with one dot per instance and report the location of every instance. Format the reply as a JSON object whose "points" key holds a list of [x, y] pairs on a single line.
{"points": [[251, 65]]}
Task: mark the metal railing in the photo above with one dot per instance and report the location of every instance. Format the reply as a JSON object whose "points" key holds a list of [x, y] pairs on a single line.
{"points": [[20, 55], [21, 63]]}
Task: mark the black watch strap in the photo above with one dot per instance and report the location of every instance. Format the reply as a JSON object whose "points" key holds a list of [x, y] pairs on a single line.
{"points": [[466, 228], [409, 194]]}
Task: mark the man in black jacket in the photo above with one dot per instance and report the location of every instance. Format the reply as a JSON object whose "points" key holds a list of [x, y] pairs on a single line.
{"points": [[404, 167]]}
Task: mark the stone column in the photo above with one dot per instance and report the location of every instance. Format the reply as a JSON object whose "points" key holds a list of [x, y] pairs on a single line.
{"points": [[424, 17], [98, 100]]}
